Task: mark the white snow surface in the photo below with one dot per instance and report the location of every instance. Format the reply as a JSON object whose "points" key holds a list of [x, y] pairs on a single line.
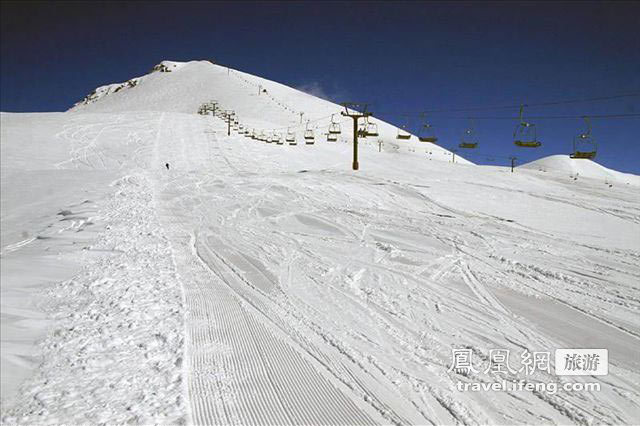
{"points": [[581, 168], [257, 283]]}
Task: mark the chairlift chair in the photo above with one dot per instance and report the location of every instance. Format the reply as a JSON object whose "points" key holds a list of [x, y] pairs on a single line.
{"points": [[426, 134], [291, 138], [279, 140], [334, 127], [525, 134], [584, 145], [371, 129], [403, 134], [362, 130], [332, 137], [273, 137], [469, 139], [309, 137]]}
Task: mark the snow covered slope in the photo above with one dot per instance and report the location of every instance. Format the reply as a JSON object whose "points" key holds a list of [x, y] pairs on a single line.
{"points": [[253, 283], [581, 168], [102, 91], [190, 84]]}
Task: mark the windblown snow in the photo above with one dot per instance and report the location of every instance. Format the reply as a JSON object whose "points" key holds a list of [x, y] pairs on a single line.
{"points": [[255, 283]]}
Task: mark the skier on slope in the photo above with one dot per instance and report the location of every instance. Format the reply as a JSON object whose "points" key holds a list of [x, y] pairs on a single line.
{"points": [[167, 165]]}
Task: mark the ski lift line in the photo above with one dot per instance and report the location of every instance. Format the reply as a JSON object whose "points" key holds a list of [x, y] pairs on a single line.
{"points": [[301, 125], [562, 102], [594, 116], [555, 117], [547, 117]]}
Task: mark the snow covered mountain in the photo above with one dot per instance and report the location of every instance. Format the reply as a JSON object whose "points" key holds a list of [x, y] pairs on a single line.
{"points": [[259, 103], [254, 283]]}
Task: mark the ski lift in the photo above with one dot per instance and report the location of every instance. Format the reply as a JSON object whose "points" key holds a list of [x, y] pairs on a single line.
{"points": [[279, 139], [274, 138], [331, 137], [334, 127], [426, 133], [371, 128], [309, 137], [469, 139], [403, 134], [584, 146], [525, 134], [362, 130], [291, 137]]}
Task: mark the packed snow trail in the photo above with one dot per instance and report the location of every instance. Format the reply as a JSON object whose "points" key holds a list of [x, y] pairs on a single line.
{"points": [[243, 368]]}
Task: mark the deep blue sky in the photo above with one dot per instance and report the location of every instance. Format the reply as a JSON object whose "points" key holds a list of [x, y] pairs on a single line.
{"points": [[397, 56]]}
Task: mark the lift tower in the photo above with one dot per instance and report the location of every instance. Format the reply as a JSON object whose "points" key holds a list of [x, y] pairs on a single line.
{"points": [[350, 110]]}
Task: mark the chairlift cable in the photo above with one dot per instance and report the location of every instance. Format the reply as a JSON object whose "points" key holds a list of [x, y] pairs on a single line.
{"points": [[537, 104]]}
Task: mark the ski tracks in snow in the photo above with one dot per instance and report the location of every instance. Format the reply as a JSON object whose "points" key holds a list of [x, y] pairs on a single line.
{"points": [[243, 369], [368, 304]]}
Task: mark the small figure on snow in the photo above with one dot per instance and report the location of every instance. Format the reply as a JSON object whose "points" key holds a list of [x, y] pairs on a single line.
{"points": [[167, 165]]}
